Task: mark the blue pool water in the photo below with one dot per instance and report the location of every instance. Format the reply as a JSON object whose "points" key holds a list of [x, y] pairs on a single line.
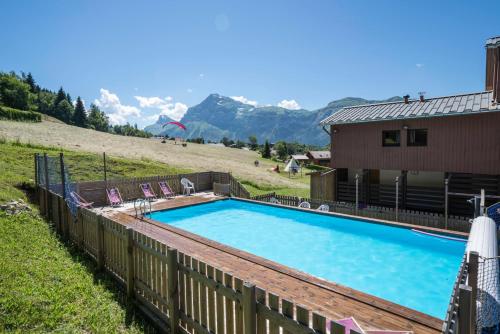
{"points": [[396, 264]]}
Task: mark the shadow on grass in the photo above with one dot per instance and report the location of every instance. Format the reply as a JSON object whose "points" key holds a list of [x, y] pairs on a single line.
{"points": [[132, 313]]}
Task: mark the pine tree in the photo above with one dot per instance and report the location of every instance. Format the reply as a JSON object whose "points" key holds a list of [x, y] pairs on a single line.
{"points": [[64, 112], [68, 98], [31, 82], [80, 115], [97, 119], [266, 153], [61, 95]]}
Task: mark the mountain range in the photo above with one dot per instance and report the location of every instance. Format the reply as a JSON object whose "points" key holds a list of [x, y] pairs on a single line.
{"points": [[219, 116]]}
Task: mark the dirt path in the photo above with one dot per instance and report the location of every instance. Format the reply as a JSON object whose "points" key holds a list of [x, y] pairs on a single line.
{"points": [[195, 156]]}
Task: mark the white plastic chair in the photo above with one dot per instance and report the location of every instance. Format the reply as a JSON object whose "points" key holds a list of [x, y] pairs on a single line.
{"points": [[187, 186], [305, 205], [274, 200], [324, 207]]}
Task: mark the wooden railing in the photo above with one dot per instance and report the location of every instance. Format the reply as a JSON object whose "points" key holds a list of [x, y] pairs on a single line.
{"points": [[175, 290], [95, 191], [421, 218]]}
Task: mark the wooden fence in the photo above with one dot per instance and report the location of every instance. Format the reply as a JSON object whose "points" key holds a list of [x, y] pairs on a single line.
{"points": [[176, 291], [95, 191], [421, 218]]}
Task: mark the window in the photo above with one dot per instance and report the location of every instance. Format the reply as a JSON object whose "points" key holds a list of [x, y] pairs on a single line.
{"points": [[391, 138], [417, 137]]}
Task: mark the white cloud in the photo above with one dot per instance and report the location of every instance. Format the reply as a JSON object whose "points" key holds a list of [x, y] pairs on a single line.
{"points": [[149, 102], [116, 111], [289, 104], [173, 110], [243, 99], [419, 65]]}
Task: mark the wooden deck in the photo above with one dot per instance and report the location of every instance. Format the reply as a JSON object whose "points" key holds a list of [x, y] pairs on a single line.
{"points": [[327, 298]]}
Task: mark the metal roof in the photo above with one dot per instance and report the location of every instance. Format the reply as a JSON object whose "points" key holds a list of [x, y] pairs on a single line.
{"points": [[433, 107], [320, 155], [300, 157]]}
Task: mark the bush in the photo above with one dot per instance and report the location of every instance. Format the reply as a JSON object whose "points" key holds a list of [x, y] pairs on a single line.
{"points": [[317, 167], [19, 115]]}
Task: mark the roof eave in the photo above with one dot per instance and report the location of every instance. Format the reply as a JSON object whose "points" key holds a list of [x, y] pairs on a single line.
{"points": [[481, 111]]}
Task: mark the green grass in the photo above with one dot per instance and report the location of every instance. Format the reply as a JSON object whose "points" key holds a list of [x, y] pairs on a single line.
{"points": [[12, 114], [17, 166], [46, 286], [259, 189]]}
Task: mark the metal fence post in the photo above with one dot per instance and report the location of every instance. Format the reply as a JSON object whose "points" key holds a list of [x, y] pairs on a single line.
{"points": [[130, 262], [46, 162], [357, 194], [63, 175], [446, 204], [397, 197], [464, 309], [36, 170], [249, 308], [173, 290]]}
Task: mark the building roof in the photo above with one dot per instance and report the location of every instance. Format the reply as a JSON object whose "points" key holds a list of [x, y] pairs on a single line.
{"points": [[433, 107], [300, 157], [320, 155], [492, 42]]}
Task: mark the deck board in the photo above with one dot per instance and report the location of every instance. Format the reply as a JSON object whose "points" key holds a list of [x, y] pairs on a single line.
{"points": [[326, 298]]}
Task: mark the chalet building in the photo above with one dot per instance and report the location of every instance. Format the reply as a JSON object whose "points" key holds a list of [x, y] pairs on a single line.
{"points": [[423, 142], [320, 158]]}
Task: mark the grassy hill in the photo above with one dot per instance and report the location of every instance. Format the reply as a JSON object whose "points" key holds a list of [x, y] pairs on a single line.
{"points": [[196, 157]]}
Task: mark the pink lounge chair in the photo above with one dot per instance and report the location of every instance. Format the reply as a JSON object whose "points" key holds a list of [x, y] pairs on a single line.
{"points": [[165, 189], [350, 324], [147, 190], [80, 201], [114, 197]]}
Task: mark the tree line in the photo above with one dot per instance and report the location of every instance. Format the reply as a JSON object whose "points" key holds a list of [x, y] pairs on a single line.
{"points": [[23, 93]]}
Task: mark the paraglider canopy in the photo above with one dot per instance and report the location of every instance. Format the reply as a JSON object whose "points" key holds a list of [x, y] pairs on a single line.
{"points": [[179, 124]]}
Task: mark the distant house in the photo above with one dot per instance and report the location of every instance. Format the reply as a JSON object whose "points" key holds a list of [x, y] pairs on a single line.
{"points": [[422, 142], [320, 158], [300, 158]]}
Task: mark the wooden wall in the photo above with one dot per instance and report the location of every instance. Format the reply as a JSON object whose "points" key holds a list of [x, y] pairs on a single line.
{"points": [[457, 144]]}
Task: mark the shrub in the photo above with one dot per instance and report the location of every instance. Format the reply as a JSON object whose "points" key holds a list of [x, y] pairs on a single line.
{"points": [[19, 115]]}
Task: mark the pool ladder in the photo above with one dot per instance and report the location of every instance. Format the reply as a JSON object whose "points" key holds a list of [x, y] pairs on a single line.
{"points": [[141, 207]]}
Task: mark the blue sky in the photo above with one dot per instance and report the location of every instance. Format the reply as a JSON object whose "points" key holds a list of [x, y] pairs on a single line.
{"points": [[172, 54]]}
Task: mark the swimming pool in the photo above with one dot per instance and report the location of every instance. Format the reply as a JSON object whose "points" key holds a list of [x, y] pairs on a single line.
{"points": [[396, 264]]}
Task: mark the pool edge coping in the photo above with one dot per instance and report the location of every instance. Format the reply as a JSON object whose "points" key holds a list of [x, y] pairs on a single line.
{"points": [[360, 296]]}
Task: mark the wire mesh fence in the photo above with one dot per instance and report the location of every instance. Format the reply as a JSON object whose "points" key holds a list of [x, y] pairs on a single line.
{"points": [[53, 175], [488, 296]]}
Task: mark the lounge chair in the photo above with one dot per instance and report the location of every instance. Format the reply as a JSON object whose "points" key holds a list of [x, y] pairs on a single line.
{"points": [[165, 189], [305, 205], [350, 325], [187, 186], [324, 207], [80, 201], [114, 197], [147, 190]]}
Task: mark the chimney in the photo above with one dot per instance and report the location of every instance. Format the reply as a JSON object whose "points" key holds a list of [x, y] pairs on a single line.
{"points": [[407, 99], [493, 67], [422, 98]]}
